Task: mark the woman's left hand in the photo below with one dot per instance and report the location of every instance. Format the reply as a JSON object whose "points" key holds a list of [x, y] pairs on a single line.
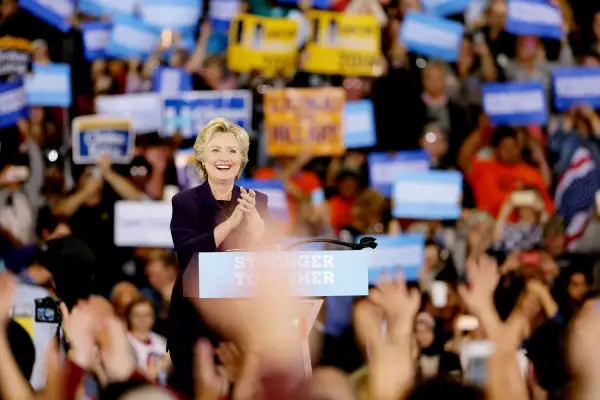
{"points": [[248, 201]]}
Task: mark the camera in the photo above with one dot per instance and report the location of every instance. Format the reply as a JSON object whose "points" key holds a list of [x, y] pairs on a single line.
{"points": [[47, 311]]}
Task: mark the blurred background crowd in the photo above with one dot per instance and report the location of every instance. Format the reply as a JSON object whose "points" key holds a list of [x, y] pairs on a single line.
{"points": [[525, 191]]}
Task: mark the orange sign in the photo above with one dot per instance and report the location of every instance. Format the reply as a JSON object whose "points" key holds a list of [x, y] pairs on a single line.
{"points": [[301, 120]]}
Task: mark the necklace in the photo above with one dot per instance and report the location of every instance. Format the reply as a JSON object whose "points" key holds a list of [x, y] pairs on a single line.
{"points": [[222, 198]]}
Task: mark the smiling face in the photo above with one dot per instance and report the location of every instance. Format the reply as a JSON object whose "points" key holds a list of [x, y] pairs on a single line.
{"points": [[223, 157]]}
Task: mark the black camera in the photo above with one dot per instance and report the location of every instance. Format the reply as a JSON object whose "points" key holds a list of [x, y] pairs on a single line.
{"points": [[47, 311]]}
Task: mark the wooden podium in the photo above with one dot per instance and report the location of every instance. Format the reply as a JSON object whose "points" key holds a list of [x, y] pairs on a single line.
{"points": [[314, 275]]}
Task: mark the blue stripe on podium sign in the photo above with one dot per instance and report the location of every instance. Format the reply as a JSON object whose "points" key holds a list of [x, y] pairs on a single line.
{"points": [[310, 273], [396, 253]]}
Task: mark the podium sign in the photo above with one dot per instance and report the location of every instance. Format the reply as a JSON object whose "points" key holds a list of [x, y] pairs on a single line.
{"points": [[311, 274]]}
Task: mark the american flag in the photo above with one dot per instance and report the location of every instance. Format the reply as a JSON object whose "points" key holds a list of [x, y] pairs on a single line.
{"points": [[575, 194]]}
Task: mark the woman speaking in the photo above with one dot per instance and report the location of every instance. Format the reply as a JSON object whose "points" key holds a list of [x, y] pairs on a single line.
{"points": [[215, 216]]}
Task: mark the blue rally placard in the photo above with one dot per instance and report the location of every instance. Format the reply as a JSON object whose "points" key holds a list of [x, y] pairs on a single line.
{"points": [[576, 85], [180, 15], [431, 36], [534, 18], [131, 38], [49, 85], [311, 273], [444, 8], [430, 195], [96, 35], [13, 103], [515, 103], [278, 204], [383, 167], [93, 136], [102, 8], [359, 124], [396, 253], [55, 12]]}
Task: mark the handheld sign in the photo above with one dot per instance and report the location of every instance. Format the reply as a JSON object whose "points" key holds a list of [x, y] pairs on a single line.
{"points": [[13, 103], [131, 38], [179, 15], [384, 167], [396, 253], [101, 8], [143, 224], [93, 136], [432, 195], [359, 124], [56, 12], [444, 8], [96, 35], [300, 120], [143, 109], [49, 85], [576, 86], [534, 18], [515, 103], [15, 56], [431, 36]]}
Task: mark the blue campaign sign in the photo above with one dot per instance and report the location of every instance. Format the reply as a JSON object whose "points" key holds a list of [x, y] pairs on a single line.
{"points": [[359, 124], [383, 167], [222, 12], [49, 85], [191, 111], [131, 38], [576, 86], [433, 195], [396, 253], [55, 12], [310, 273], [444, 8], [171, 81], [431, 36], [96, 35], [278, 204], [515, 103], [534, 18], [93, 136], [181, 15], [13, 103], [102, 8]]}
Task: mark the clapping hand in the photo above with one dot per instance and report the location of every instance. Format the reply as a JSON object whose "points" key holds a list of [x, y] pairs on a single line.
{"points": [[247, 201]]}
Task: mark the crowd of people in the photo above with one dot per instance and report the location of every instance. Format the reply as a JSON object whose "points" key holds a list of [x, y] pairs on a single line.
{"points": [[518, 270]]}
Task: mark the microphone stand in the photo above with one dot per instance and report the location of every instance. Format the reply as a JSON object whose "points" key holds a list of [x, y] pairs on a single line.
{"points": [[366, 242]]}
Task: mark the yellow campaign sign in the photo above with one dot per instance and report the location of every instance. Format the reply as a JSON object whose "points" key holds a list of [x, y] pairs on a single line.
{"points": [[299, 120], [264, 44], [26, 323], [343, 44]]}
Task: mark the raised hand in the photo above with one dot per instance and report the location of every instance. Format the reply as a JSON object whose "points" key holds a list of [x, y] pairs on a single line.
{"points": [[483, 276], [399, 304], [247, 200], [81, 327], [211, 380]]}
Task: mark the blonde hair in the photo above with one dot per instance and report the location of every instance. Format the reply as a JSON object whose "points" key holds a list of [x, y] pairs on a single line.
{"points": [[215, 127]]}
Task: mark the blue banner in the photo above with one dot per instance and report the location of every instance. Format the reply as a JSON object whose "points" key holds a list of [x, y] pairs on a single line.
{"points": [[49, 85], [431, 36], [131, 38], [515, 103], [102, 8], [444, 8], [431, 195], [222, 12], [576, 86], [394, 253], [171, 81], [181, 15], [310, 273], [96, 35], [93, 136], [359, 124], [534, 18], [384, 167], [55, 12], [13, 103], [190, 112], [278, 203]]}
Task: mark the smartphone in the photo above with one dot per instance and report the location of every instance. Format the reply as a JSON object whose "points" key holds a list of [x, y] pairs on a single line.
{"points": [[17, 174], [467, 323], [439, 294], [523, 198], [317, 197], [474, 356]]}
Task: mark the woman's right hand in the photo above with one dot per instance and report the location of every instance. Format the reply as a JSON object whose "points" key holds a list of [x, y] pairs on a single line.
{"points": [[236, 218]]}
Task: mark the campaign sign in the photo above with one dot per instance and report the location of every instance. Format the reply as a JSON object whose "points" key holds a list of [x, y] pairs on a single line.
{"points": [[181, 15], [143, 224], [396, 253], [444, 8], [383, 167], [49, 85], [144, 109], [55, 12], [187, 172], [278, 204], [13, 103], [431, 36], [222, 12], [189, 112], [131, 38], [93, 136], [576, 86], [427, 195], [310, 273], [101, 8], [15, 56], [359, 124], [171, 81], [96, 35], [538, 18], [515, 103]]}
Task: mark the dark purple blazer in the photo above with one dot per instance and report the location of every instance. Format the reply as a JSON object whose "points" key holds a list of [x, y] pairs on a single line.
{"points": [[196, 213]]}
